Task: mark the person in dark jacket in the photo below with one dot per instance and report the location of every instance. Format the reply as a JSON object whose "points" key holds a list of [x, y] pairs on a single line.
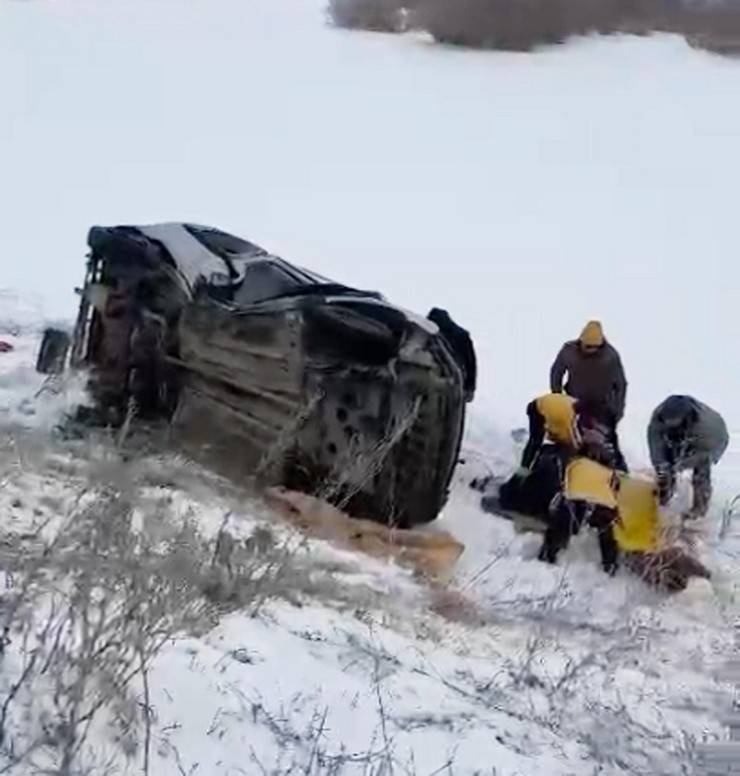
{"points": [[461, 345], [685, 434], [595, 376], [594, 371]]}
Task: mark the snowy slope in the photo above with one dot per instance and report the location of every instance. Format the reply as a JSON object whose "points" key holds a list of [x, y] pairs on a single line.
{"points": [[525, 193], [352, 667], [531, 191]]}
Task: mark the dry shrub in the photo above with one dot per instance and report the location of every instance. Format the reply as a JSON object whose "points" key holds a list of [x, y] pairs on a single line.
{"points": [[715, 29], [521, 25], [374, 15]]}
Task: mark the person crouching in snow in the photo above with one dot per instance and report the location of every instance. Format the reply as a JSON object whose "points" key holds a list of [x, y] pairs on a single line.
{"points": [[575, 427], [685, 434], [560, 429], [588, 495], [553, 439], [551, 417]]}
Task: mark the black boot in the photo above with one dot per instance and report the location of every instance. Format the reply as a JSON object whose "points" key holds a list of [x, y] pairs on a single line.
{"points": [[603, 520], [547, 554]]}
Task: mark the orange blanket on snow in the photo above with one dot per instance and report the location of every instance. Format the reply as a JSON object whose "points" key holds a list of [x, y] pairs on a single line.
{"points": [[428, 552]]}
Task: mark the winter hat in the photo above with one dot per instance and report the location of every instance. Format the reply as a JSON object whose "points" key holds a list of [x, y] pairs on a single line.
{"points": [[676, 411], [592, 335]]}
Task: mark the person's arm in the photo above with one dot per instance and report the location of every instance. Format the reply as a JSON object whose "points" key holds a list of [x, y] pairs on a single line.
{"points": [[620, 387], [472, 375], [536, 435], [558, 370]]}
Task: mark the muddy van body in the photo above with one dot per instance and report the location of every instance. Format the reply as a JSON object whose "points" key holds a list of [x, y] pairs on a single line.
{"points": [[271, 371]]}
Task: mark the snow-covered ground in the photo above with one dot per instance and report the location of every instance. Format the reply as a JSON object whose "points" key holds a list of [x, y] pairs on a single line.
{"points": [[524, 193], [352, 667]]}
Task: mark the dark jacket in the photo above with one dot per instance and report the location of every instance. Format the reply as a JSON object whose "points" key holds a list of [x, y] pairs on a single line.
{"points": [[462, 348], [596, 378], [703, 438]]}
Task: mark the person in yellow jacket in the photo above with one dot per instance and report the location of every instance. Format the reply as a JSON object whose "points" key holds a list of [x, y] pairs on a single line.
{"points": [[574, 426], [589, 495], [552, 417]]}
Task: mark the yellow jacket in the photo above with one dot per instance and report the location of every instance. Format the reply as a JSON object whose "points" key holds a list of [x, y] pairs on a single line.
{"points": [[637, 528], [586, 480], [558, 412]]}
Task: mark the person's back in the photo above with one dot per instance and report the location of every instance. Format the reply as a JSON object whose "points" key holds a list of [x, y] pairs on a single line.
{"points": [[462, 346], [711, 432], [558, 412], [551, 416], [682, 428]]}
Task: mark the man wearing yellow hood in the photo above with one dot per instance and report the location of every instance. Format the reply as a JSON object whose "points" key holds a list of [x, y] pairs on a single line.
{"points": [[594, 371], [595, 376]]}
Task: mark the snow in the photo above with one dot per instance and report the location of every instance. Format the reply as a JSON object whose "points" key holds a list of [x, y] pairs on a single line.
{"points": [[525, 194], [353, 662], [192, 258]]}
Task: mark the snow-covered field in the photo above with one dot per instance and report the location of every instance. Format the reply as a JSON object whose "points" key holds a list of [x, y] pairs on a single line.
{"points": [[524, 193], [350, 666]]}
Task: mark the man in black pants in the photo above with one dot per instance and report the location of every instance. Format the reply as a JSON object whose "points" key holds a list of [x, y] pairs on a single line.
{"points": [[589, 495], [566, 520]]}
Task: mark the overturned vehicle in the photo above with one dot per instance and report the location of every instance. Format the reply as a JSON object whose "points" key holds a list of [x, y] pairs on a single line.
{"points": [[271, 371]]}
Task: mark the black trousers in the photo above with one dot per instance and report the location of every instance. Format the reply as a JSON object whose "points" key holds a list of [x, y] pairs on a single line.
{"points": [[566, 519], [701, 482], [606, 450], [536, 435], [619, 461]]}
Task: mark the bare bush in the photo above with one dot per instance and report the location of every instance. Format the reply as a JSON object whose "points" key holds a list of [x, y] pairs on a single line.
{"points": [[89, 611], [374, 15], [715, 29], [107, 580], [521, 25]]}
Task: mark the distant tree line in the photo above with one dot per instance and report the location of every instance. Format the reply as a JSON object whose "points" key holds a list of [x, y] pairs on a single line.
{"points": [[522, 25]]}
